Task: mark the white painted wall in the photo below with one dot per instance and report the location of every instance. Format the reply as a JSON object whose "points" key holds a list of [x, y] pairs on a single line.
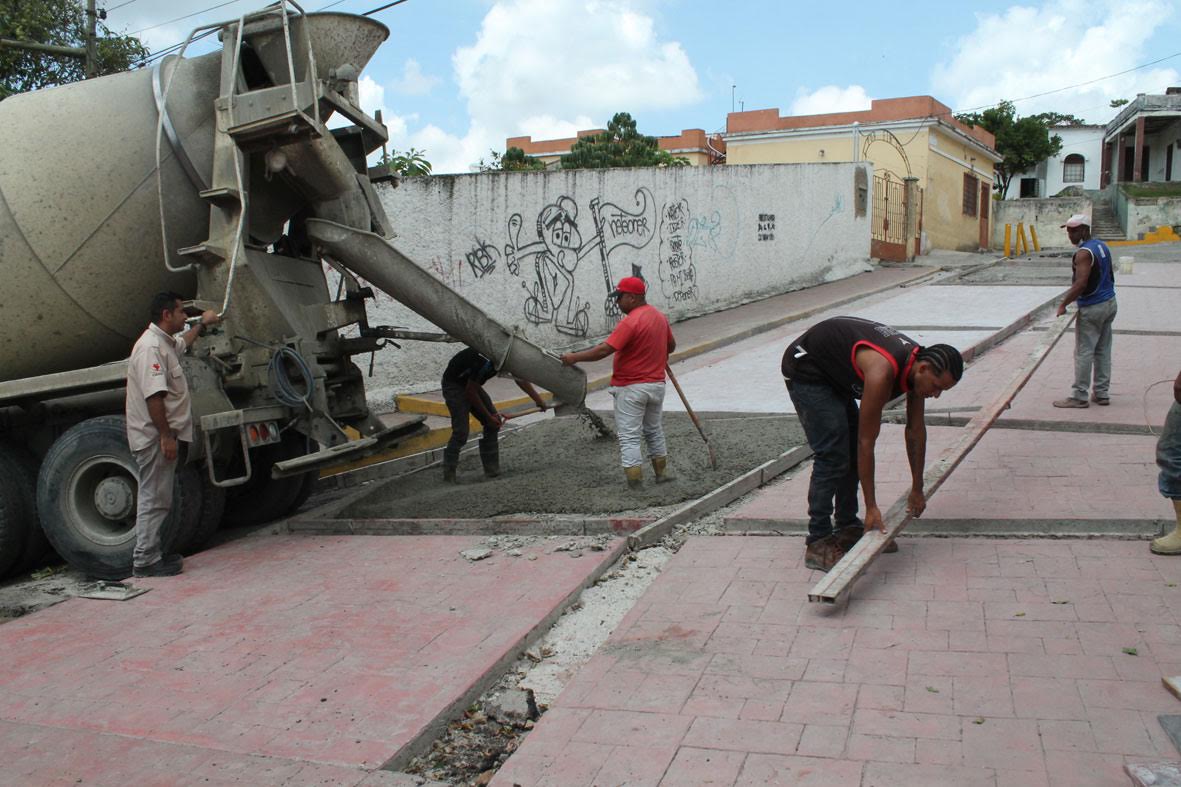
{"points": [[705, 239], [1086, 141], [1046, 216]]}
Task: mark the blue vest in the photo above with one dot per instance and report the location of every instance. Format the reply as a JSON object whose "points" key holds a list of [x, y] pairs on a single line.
{"points": [[1101, 283]]}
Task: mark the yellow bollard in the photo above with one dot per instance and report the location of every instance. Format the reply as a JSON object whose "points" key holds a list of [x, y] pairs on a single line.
{"points": [[1008, 239], [1033, 237], [1022, 244]]}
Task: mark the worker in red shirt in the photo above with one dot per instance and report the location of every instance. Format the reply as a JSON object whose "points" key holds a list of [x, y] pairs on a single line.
{"points": [[641, 344]]}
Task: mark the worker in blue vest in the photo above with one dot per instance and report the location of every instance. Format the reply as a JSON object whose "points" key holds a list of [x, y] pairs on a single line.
{"points": [[1093, 286]]}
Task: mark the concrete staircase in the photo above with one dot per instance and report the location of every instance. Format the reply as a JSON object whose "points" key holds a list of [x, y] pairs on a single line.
{"points": [[1104, 224]]}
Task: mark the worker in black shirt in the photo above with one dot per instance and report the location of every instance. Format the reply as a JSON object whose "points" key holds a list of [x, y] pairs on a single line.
{"points": [[836, 362], [463, 391]]}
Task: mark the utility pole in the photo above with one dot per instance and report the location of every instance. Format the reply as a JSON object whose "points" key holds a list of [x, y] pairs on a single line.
{"points": [[91, 40]]}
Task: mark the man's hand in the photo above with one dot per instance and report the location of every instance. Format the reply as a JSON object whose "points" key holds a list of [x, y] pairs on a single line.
{"points": [[916, 503], [209, 317], [873, 519], [168, 446], [1061, 308], [500, 418], [568, 359], [541, 405]]}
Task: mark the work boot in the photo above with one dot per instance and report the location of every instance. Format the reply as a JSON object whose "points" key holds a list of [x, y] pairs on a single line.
{"points": [[490, 459], [1070, 403], [492, 468], [1169, 544], [167, 566], [848, 535], [891, 547], [449, 474], [1102, 401], [660, 467], [823, 553], [635, 476]]}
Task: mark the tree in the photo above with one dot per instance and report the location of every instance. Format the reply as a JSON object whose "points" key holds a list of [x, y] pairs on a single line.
{"points": [[410, 164], [1052, 119], [1022, 142], [1116, 103], [621, 145], [59, 23], [512, 160]]}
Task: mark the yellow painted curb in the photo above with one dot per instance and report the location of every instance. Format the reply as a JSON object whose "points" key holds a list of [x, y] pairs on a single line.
{"points": [[1162, 234]]}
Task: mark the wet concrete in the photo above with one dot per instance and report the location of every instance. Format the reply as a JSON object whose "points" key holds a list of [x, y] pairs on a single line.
{"points": [[560, 466]]}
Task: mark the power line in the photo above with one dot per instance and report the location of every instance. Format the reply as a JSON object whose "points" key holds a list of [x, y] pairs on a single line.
{"points": [[117, 7], [186, 16], [384, 7]]}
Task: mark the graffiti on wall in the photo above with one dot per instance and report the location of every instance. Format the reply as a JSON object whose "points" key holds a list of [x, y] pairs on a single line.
{"points": [[549, 263], [678, 277], [482, 258], [766, 226]]}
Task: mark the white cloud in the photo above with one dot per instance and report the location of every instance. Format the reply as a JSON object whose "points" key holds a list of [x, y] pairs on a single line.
{"points": [[830, 98], [413, 82], [546, 67], [1026, 50]]}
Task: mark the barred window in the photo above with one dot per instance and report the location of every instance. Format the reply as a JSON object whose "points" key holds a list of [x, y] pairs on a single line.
{"points": [[970, 192], [1074, 169]]}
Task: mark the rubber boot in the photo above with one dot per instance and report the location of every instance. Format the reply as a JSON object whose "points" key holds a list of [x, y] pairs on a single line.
{"points": [[660, 467], [490, 458], [635, 476], [1170, 544], [449, 474]]}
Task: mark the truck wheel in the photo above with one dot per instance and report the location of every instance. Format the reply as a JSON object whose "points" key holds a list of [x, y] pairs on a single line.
{"points": [[13, 524], [263, 498], [21, 466], [213, 506], [86, 493], [184, 520], [307, 486]]}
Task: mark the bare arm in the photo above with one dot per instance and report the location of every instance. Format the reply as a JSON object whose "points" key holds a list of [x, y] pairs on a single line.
{"points": [[160, 421], [878, 374], [208, 318], [596, 353], [1082, 268], [472, 391], [916, 452], [1177, 389], [528, 388]]}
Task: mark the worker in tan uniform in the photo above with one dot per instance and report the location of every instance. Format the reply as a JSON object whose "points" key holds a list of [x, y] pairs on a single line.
{"points": [[159, 423]]}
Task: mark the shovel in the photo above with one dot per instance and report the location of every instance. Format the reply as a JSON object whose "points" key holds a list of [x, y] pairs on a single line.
{"points": [[713, 459]]}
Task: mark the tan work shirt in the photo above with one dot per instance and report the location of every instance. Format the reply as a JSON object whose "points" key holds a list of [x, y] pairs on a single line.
{"points": [[154, 366]]}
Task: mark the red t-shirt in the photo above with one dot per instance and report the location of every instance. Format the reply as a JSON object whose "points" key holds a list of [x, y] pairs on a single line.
{"points": [[641, 347]]}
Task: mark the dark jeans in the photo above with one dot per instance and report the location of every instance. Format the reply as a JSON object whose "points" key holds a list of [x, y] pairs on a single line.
{"points": [[830, 424], [460, 408]]}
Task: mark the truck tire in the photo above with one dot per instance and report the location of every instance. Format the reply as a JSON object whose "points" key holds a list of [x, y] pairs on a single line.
{"points": [[263, 498], [13, 524], [213, 505], [307, 486], [89, 458], [21, 466]]}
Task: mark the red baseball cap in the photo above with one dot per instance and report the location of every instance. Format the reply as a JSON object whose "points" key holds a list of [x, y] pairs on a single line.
{"points": [[633, 284]]}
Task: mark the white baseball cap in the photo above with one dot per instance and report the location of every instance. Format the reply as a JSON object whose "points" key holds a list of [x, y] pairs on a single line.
{"points": [[1078, 220]]}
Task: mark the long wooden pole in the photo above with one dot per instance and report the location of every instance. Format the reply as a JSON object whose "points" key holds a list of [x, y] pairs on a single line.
{"points": [[841, 577], [713, 458]]}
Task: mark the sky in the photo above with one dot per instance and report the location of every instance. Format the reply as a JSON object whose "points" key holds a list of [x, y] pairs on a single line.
{"points": [[455, 78]]}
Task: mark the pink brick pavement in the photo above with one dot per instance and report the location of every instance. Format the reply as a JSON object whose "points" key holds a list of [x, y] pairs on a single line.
{"points": [[313, 657], [1012, 474], [956, 662]]}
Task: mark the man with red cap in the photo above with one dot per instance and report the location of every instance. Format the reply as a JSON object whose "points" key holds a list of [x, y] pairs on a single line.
{"points": [[641, 344], [1093, 286]]}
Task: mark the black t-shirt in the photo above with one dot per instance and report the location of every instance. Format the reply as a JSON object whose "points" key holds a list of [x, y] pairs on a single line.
{"points": [[467, 364], [824, 354]]}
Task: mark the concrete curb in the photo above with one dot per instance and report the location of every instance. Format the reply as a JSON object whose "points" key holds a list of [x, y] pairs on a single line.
{"points": [[420, 404], [723, 495], [422, 740], [498, 526], [982, 528]]}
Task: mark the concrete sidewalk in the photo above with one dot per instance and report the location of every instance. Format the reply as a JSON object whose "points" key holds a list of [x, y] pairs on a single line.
{"points": [[956, 662]]}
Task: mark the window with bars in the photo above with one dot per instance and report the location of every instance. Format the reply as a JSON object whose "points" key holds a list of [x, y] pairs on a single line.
{"points": [[970, 194], [1074, 169]]}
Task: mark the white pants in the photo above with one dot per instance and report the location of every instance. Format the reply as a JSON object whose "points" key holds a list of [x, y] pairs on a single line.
{"points": [[638, 410]]}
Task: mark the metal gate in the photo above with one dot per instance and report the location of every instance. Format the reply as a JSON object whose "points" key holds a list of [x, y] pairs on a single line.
{"points": [[892, 230]]}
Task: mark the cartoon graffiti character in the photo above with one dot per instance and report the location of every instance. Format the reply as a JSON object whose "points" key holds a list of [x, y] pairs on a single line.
{"points": [[556, 254]]}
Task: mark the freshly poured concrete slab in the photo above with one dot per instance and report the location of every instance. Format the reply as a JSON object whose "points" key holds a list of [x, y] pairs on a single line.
{"points": [[746, 378], [959, 306], [292, 652]]}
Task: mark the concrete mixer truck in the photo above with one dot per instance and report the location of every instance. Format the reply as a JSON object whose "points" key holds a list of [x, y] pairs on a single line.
{"points": [[216, 177]]}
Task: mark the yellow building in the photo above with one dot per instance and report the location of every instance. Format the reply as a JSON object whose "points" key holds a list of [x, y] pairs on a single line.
{"points": [[932, 173], [692, 144]]}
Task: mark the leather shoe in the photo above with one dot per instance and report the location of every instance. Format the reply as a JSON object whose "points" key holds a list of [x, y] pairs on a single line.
{"points": [[167, 566]]}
